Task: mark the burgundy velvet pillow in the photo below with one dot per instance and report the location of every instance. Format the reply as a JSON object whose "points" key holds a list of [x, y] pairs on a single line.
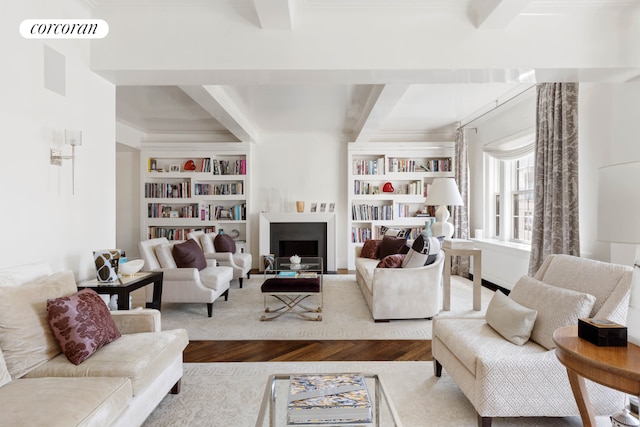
{"points": [[391, 245], [189, 255], [81, 323], [224, 243], [391, 261], [371, 249]]}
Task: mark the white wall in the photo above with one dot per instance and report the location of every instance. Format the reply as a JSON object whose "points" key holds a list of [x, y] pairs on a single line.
{"points": [[128, 200], [42, 220]]}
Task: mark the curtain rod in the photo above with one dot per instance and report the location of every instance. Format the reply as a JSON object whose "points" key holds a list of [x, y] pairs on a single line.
{"points": [[496, 107]]}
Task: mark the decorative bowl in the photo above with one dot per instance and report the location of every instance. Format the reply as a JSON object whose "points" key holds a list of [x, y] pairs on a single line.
{"points": [[295, 259], [131, 267]]}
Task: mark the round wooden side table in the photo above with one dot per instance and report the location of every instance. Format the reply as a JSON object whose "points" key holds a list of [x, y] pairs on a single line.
{"points": [[615, 367]]}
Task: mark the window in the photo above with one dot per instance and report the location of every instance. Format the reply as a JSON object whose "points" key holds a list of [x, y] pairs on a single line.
{"points": [[509, 216]]}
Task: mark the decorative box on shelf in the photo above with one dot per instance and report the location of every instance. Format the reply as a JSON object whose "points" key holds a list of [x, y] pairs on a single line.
{"points": [[602, 332]]}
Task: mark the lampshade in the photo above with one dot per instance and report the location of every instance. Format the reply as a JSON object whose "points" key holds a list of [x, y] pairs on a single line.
{"points": [[618, 222], [444, 191]]}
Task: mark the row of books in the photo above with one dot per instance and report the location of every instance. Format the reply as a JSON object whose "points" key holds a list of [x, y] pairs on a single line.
{"points": [[167, 190], [218, 212], [201, 189], [405, 211], [160, 210], [405, 165], [328, 399], [298, 274], [368, 167], [173, 233], [365, 187], [360, 234], [229, 167], [439, 165], [364, 212]]}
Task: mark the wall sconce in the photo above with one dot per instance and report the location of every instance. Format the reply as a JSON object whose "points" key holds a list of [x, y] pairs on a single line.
{"points": [[73, 138]]}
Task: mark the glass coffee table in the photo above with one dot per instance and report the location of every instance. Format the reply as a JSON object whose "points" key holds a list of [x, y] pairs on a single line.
{"points": [[273, 410]]}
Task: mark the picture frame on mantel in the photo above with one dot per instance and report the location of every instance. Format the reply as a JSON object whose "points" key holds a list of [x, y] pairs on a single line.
{"points": [[323, 207], [313, 207]]}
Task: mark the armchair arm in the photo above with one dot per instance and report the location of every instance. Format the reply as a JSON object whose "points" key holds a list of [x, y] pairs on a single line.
{"points": [[223, 258], [179, 274], [134, 321]]}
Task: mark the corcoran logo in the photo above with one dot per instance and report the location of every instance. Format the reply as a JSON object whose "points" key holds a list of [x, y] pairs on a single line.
{"points": [[64, 28]]}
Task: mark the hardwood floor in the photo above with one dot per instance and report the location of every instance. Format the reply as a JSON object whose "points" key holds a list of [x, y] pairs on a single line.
{"points": [[307, 351]]}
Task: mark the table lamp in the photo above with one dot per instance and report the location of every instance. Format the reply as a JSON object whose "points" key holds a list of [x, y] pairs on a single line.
{"points": [[619, 222], [443, 192]]}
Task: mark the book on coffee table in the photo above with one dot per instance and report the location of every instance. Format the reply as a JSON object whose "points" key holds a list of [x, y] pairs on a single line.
{"points": [[328, 399], [288, 274]]}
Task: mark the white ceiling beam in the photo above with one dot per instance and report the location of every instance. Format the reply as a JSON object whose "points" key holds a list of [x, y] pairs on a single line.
{"points": [[225, 107], [381, 100], [275, 14], [497, 14]]}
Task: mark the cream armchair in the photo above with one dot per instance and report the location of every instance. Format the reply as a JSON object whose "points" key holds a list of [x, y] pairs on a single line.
{"points": [[502, 379], [184, 285], [239, 261]]}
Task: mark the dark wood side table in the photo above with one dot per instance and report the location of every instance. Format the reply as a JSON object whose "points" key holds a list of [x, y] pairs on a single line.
{"points": [[128, 284], [615, 367]]}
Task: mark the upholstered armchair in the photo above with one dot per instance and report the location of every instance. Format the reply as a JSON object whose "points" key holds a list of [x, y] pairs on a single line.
{"points": [[186, 284], [222, 248], [506, 364]]}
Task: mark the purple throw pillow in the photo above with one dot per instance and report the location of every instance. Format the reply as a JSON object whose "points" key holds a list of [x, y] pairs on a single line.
{"points": [[391, 245], [391, 261], [189, 255], [371, 249], [224, 243], [81, 323]]}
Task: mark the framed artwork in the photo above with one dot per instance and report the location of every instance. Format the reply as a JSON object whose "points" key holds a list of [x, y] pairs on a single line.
{"points": [[313, 207], [323, 207], [174, 168], [332, 207]]}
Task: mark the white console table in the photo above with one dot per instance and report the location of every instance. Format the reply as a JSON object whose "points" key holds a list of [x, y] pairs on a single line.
{"points": [[477, 275]]}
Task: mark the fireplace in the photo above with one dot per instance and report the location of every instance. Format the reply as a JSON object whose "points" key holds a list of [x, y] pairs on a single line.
{"points": [[306, 234]]}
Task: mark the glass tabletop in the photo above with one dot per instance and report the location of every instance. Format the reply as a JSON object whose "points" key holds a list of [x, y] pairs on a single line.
{"points": [[273, 410], [306, 264]]}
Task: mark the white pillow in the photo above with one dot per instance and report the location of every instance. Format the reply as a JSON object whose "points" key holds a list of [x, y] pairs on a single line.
{"points": [[510, 319], [165, 257], [424, 251], [556, 307], [206, 241]]}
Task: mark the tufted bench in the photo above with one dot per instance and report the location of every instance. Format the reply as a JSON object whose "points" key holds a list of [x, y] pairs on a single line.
{"points": [[291, 292]]}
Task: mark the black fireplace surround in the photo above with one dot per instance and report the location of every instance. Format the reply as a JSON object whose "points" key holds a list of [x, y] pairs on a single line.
{"points": [[299, 238]]}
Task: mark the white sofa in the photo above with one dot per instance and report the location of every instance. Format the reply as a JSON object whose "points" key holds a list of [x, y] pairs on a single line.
{"points": [[119, 385], [400, 293], [502, 379]]}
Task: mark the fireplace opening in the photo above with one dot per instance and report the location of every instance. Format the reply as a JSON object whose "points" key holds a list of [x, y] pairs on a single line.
{"points": [[298, 247]]}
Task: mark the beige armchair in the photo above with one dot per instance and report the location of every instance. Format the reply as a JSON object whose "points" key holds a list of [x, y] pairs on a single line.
{"points": [[502, 379], [239, 261], [184, 285]]}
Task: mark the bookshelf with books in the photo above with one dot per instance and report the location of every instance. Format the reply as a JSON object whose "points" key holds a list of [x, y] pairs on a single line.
{"points": [[387, 187], [195, 189]]}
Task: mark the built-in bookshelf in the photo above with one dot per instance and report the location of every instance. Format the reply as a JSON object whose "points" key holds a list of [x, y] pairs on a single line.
{"points": [[387, 187], [197, 189]]}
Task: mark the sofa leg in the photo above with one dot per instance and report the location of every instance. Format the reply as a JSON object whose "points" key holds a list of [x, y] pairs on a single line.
{"points": [[240, 280], [176, 387], [437, 368], [226, 295], [484, 421], [209, 309], [248, 275]]}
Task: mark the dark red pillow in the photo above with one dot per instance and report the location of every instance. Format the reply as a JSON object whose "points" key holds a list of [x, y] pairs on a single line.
{"points": [[224, 243], [81, 323], [189, 255], [391, 261], [391, 245], [371, 249]]}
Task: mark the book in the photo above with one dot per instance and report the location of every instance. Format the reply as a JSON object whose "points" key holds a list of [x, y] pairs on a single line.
{"points": [[328, 398], [287, 274], [457, 244], [307, 275]]}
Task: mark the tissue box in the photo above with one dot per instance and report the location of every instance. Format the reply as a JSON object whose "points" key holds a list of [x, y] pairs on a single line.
{"points": [[602, 332]]}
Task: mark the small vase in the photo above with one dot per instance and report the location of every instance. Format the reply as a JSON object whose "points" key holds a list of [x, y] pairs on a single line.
{"points": [[427, 228]]}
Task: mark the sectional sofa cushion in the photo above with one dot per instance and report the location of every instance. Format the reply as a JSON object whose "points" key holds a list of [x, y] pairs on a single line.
{"points": [[81, 323], [510, 319], [556, 307], [371, 249], [189, 255], [25, 337]]}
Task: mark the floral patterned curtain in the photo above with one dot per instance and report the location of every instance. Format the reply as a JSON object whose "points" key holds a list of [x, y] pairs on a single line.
{"points": [[555, 212], [460, 215]]}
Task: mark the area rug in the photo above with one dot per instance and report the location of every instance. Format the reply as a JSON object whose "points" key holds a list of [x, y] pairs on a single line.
{"points": [[345, 315], [230, 394]]}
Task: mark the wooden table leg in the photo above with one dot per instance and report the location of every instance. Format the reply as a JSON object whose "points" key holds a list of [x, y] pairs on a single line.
{"points": [[446, 286], [582, 398], [477, 282]]}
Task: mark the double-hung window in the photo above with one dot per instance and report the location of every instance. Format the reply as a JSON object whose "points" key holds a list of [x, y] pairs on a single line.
{"points": [[509, 191]]}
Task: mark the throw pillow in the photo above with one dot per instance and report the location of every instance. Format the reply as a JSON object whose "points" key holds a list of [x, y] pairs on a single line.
{"points": [[395, 232], [424, 251], [189, 255], [391, 245], [371, 249], [25, 338], [206, 240], [510, 319], [391, 261], [556, 307], [81, 323], [165, 258], [224, 243]]}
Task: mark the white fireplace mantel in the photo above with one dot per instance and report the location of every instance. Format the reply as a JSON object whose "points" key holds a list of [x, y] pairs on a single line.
{"points": [[329, 218]]}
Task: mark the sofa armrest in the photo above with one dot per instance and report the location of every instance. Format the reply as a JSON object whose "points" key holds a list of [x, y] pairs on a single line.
{"points": [[134, 321], [180, 274]]}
